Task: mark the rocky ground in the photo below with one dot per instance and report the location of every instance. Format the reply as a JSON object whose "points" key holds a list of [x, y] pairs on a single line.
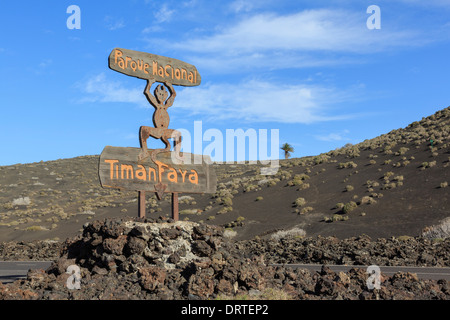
{"points": [[403, 251], [162, 259], [40, 250]]}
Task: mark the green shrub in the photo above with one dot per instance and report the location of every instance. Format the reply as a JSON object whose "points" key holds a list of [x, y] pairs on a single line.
{"points": [[189, 211], [299, 202], [303, 186], [295, 182], [404, 238], [227, 201], [288, 234], [367, 200], [388, 174], [349, 188], [349, 164], [302, 176], [225, 210], [339, 205], [391, 185], [306, 210], [36, 228], [349, 207], [250, 187], [272, 183]]}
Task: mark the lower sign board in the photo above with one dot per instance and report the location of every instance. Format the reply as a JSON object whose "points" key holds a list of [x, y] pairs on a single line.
{"points": [[120, 168]]}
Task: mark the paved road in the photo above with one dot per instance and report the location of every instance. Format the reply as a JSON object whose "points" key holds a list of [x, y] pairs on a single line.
{"points": [[433, 273], [13, 270]]}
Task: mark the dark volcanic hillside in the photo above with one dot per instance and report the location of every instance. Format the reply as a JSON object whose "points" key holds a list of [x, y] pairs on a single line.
{"points": [[392, 185]]}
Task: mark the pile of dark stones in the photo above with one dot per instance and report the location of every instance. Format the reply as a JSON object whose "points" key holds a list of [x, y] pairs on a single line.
{"points": [[362, 250], [160, 259], [43, 250]]}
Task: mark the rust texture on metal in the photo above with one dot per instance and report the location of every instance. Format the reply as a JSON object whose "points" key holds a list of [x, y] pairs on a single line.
{"points": [[147, 66], [119, 168], [141, 208], [156, 170], [161, 101], [175, 211], [160, 188]]}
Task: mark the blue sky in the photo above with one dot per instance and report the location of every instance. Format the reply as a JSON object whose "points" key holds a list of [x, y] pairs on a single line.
{"points": [[310, 69]]}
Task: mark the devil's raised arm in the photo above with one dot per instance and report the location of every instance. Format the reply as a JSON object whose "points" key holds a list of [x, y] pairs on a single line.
{"points": [[148, 94], [173, 94]]}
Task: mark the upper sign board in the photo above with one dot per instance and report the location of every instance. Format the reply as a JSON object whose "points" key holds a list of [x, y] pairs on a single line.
{"points": [[149, 66]]}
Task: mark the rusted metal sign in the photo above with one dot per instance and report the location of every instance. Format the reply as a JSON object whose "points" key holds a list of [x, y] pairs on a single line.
{"points": [[120, 168], [156, 170], [145, 65]]}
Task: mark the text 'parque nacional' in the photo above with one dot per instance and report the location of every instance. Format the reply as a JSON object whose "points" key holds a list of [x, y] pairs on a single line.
{"points": [[151, 66]]}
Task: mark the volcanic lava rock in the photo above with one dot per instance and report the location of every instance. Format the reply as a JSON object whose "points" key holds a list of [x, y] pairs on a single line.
{"points": [[33, 250], [352, 251], [162, 259]]}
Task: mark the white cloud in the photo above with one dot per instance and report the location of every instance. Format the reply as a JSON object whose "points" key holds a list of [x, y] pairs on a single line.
{"points": [[43, 66], [45, 63], [244, 6], [164, 14], [131, 136], [100, 89], [152, 29], [310, 30], [268, 61], [428, 3], [113, 23], [333, 136], [252, 101], [259, 101], [307, 38]]}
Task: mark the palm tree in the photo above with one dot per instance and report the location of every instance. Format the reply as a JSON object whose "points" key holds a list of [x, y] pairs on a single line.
{"points": [[287, 148]]}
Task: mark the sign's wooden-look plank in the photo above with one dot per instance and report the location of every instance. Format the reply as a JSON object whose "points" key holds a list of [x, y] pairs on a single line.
{"points": [[150, 66], [119, 168]]}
